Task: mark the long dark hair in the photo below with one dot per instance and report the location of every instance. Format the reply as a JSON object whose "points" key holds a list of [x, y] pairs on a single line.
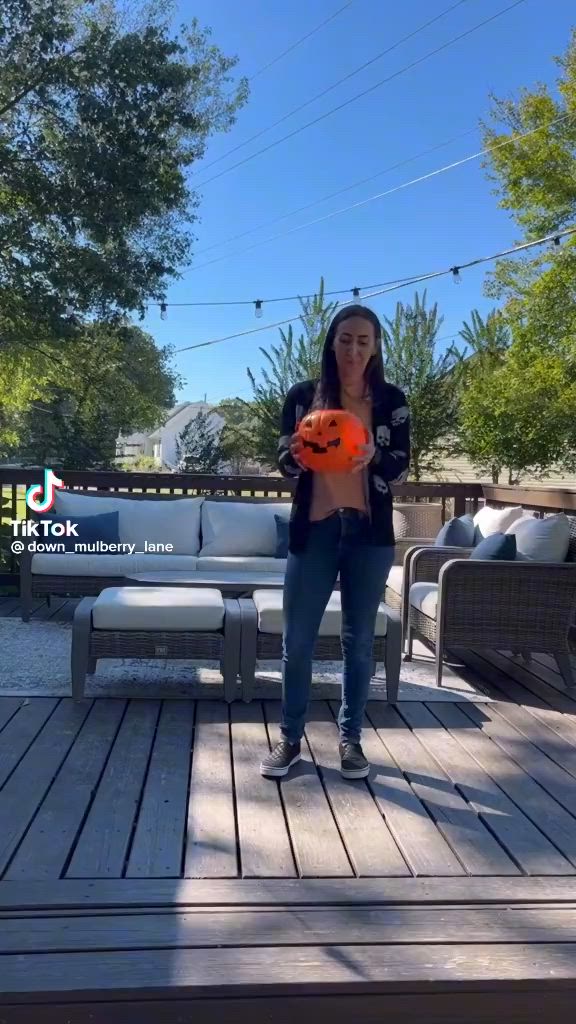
{"points": [[328, 390]]}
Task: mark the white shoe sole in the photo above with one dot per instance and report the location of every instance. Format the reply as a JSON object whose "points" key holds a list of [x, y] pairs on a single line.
{"points": [[355, 773], [277, 773]]}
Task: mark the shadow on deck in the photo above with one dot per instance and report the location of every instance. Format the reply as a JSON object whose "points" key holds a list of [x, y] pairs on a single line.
{"points": [[148, 872]]}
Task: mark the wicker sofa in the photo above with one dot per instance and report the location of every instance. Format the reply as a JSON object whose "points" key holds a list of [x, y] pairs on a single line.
{"points": [[208, 534], [522, 606]]}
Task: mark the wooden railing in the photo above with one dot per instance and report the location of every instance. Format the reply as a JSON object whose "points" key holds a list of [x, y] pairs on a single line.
{"points": [[454, 498], [540, 499]]}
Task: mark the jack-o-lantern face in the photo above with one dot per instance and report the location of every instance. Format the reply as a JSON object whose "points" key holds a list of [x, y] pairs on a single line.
{"points": [[331, 439]]}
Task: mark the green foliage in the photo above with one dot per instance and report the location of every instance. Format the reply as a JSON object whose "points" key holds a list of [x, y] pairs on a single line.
{"points": [[115, 380], [238, 433], [292, 360], [486, 340], [198, 448], [411, 362], [100, 120], [519, 412], [535, 177], [140, 464], [522, 416]]}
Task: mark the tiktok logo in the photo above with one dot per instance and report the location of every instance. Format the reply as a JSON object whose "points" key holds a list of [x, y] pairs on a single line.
{"points": [[44, 504]]}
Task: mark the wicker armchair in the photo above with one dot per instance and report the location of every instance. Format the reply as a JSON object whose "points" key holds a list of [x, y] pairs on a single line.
{"points": [[495, 605], [426, 568]]}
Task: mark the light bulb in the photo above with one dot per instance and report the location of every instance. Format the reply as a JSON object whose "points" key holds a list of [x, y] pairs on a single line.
{"points": [[258, 309], [456, 275], [356, 293], [69, 311], [163, 311], [557, 241]]}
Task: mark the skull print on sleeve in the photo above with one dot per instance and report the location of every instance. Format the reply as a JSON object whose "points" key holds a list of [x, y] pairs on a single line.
{"points": [[392, 456]]}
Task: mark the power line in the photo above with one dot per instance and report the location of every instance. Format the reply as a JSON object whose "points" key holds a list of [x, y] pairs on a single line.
{"points": [[334, 195], [365, 92], [299, 42], [454, 270], [330, 88], [382, 195]]}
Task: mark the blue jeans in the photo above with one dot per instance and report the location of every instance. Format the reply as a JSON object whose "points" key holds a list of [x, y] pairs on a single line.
{"points": [[335, 545]]}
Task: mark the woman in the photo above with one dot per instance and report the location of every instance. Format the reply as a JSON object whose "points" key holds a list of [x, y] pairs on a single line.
{"points": [[340, 523]]}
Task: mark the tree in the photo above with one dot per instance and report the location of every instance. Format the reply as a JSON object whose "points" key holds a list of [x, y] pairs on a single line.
{"points": [[198, 448], [99, 123], [486, 341], [535, 180], [522, 416], [113, 379], [409, 349], [286, 364], [238, 433]]}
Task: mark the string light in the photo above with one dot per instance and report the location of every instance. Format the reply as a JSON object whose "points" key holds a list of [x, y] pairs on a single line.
{"points": [[69, 311], [258, 309], [163, 311], [356, 293], [433, 275]]}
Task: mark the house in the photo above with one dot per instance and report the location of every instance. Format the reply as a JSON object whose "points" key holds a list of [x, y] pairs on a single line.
{"points": [[160, 444]]}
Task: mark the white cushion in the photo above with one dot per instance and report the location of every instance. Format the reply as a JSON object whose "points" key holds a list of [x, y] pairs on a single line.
{"points": [[542, 540], [240, 528], [400, 523], [395, 578], [164, 521], [145, 561], [496, 520], [241, 563], [71, 564], [159, 608], [424, 597], [271, 620]]}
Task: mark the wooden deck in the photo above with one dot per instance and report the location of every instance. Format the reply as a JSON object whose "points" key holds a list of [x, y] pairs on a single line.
{"points": [[149, 873]]}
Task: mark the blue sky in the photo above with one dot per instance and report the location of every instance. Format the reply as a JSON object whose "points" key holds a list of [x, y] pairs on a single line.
{"points": [[446, 220]]}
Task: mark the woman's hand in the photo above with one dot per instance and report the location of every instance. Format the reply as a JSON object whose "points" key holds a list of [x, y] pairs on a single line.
{"points": [[368, 451], [296, 447]]}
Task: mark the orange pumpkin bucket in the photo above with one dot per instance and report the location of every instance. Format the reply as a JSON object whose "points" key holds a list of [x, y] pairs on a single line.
{"points": [[331, 439]]}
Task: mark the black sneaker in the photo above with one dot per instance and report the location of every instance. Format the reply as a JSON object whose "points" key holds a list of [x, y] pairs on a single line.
{"points": [[354, 764], [281, 759]]}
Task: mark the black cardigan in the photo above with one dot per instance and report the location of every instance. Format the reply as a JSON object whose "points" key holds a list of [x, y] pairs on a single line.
{"points": [[391, 430]]}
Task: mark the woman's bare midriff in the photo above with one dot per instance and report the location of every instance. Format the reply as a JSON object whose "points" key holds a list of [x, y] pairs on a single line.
{"points": [[331, 491]]}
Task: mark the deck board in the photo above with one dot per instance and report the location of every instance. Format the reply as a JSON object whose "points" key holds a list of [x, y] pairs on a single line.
{"points": [[158, 843], [8, 708], [475, 846], [62, 813], [536, 803], [318, 845], [211, 850], [365, 834], [228, 928], [264, 851], [27, 786], [423, 845], [310, 970], [103, 843], [529, 848], [139, 841], [21, 730]]}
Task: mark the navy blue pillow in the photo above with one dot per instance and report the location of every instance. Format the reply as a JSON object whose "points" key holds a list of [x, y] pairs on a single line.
{"points": [[282, 536], [457, 532], [497, 547], [90, 529]]}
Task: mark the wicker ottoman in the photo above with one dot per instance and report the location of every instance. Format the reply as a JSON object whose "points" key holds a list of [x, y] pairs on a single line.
{"points": [[262, 638], [156, 622]]}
